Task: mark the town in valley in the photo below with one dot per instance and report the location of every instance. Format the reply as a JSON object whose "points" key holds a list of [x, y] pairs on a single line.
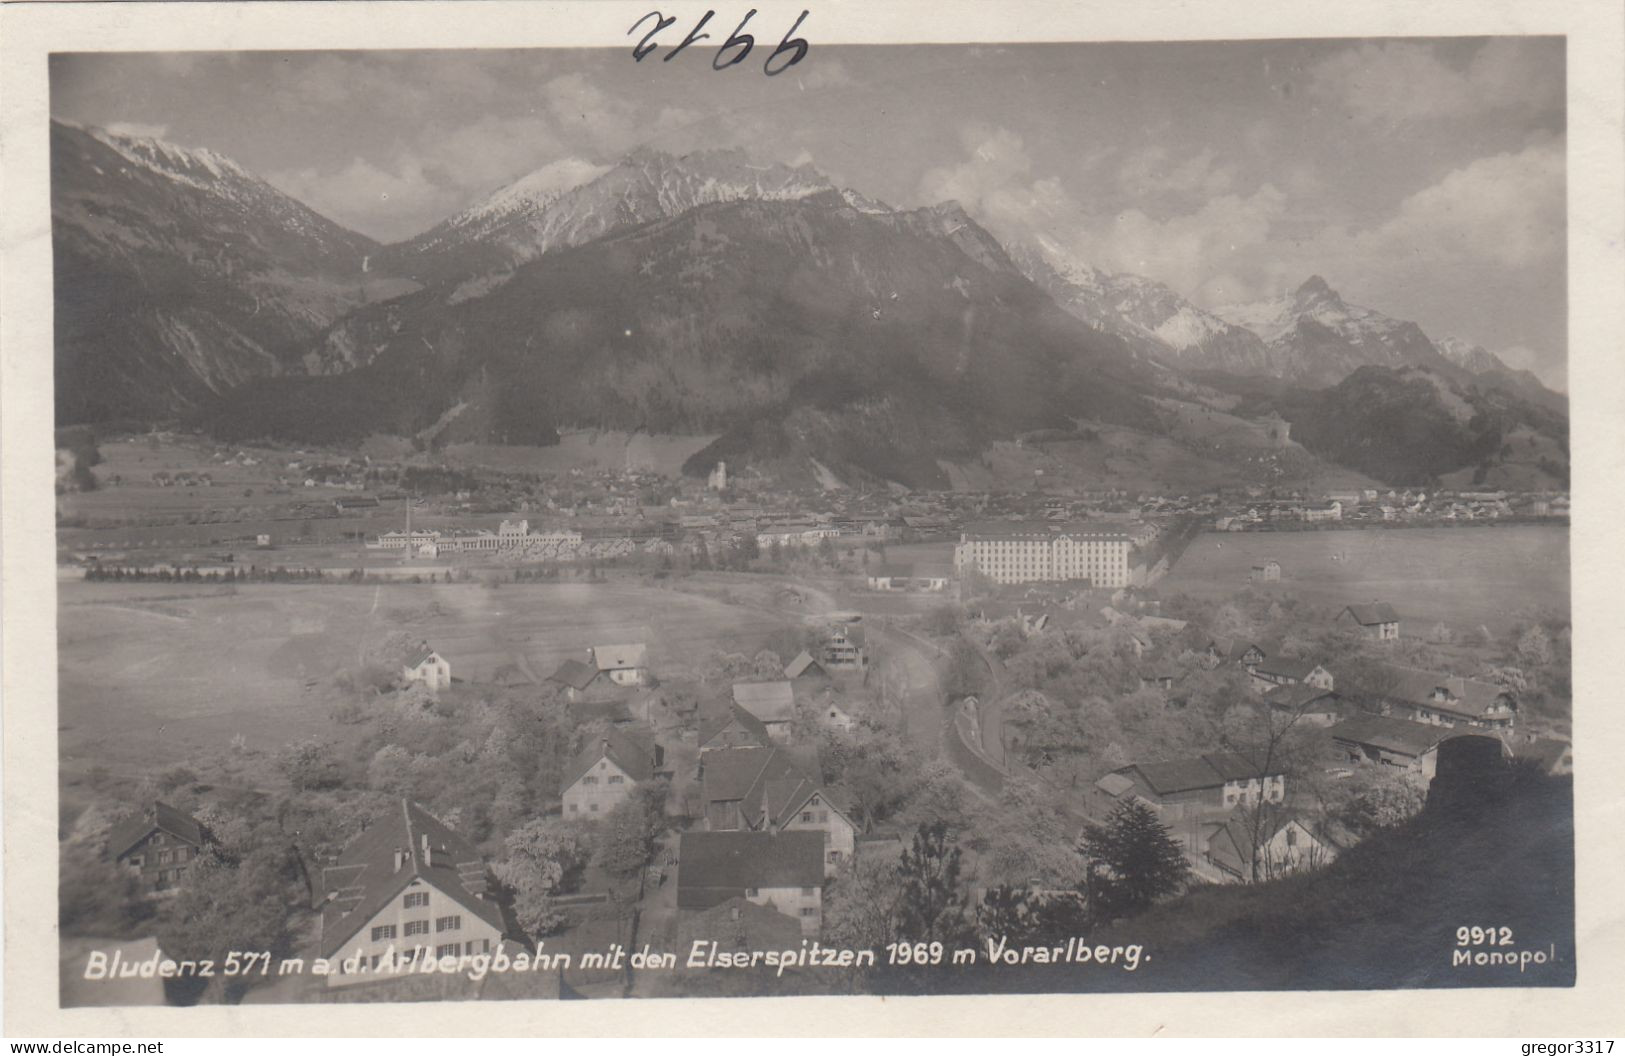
{"points": [[681, 574]]}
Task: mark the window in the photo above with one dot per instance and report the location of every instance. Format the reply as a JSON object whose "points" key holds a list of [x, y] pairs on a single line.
{"points": [[592, 808], [575, 808], [832, 857], [589, 780], [806, 815], [752, 892], [416, 927], [616, 779], [809, 911], [448, 923], [449, 949], [1292, 837], [136, 861], [414, 899], [383, 931]]}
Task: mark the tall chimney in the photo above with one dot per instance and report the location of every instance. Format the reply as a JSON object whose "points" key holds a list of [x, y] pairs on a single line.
{"points": [[428, 855], [400, 859]]}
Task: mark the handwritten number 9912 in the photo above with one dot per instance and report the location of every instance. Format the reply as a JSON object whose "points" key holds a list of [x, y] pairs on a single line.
{"points": [[791, 49]]}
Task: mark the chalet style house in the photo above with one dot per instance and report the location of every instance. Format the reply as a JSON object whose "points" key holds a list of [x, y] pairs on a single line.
{"points": [[407, 887], [783, 871], [1377, 621], [426, 667], [765, 790], [157, 845], [1447, 700], [605, 773]]}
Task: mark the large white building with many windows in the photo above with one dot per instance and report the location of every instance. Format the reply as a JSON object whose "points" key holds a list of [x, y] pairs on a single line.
{"points": [[1018, 553]]}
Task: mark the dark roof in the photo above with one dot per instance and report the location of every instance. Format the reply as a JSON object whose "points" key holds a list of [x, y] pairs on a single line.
{"points": [[768, 701], [619, 748], [730, 715], [893, 571], [1390, 734], [1206, 771], [574, 673], [613, 710], [716, 866], [802, 664], [418, 654], [1550, 754], [163, 818], [1300, 697], [768, 783], [1373, 614], [1465, 696], [1288, 667], [365, 878], [739, 925]]}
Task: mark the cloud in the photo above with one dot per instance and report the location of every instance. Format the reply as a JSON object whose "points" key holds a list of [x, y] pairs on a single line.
{"points": [[386, 203], [1403, 83], [489, 153], [138, 130], [1154, 172], [581, 108]]}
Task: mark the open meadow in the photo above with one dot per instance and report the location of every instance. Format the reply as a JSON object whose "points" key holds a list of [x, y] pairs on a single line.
{"points": [[154, 674], [1464, 577]]}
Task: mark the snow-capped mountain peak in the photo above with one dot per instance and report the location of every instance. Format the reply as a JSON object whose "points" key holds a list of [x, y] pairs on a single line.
{"points": [[196, 167], [572, 202]]}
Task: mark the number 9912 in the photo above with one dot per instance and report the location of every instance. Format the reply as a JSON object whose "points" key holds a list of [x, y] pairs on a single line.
{"points": [[1476, 936]]}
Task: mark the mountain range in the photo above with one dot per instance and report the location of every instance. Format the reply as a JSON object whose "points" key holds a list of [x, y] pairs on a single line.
{"points": [[803, 323]]}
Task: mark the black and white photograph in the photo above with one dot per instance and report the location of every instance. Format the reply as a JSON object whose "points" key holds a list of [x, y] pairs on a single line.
{"points": [[695, 520]]}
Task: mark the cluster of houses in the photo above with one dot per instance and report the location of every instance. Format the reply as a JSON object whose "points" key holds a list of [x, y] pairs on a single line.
{"points": [[1371, 505], [1403, 718]]}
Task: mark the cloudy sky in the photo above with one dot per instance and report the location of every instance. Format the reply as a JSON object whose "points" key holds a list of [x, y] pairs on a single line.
{"points": [[1421, 178]]}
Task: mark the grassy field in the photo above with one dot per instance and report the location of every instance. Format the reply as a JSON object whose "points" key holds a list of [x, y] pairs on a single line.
{"points": [[153, 674], [1465, 577]]}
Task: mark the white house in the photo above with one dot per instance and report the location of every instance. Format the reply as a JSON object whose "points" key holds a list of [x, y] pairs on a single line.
{"points": [[605, 773], [406, 891], [624, 665], [426, 666]]}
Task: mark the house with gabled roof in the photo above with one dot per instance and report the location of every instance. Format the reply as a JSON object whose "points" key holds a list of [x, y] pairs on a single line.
{"points": [[733, 727], [605, 772], [1248, 654], [426, 667], [765, 789], [1447, 700], [408, 889], [772, 703], [1289, 671], [624, 665], [804, 666], [1382, 740], [157, 845], [1377, 621], [1305, 702], [573, 677], [783, 871], [739, 925], [1284, 844], [1190, 790]]}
